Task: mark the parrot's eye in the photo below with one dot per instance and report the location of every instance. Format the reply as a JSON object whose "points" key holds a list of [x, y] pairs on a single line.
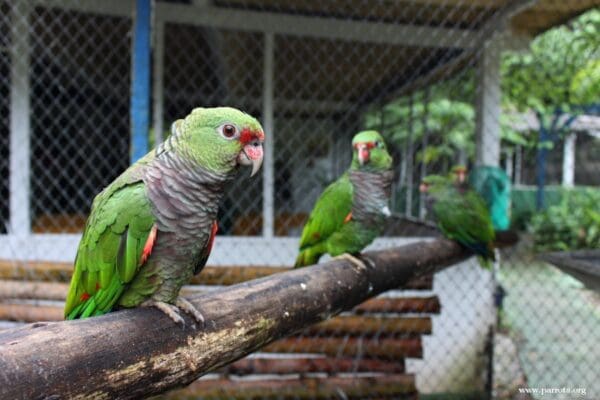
{"points": [[379, 144], [229, 131]]}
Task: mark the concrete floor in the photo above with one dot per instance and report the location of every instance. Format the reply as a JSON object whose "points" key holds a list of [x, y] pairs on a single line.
{"points": [[555, 322]]}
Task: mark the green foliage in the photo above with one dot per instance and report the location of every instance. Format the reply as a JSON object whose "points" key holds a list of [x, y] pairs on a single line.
{"points": [[523, 204], [512, 137], [559, 74], [574, 223], [561, 71], [553, 74], [450, 120], [585, 85]]}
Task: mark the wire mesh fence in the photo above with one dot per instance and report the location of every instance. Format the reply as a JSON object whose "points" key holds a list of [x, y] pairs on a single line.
{"points": [[447, 82]]}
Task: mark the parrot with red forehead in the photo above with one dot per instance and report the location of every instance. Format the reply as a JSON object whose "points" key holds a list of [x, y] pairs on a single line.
{"points": [[458, 174], [351, 212], [153, 227], [461, 215], [492, 184]]}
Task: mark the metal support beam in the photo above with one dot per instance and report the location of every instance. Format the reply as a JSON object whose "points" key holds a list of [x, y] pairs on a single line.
{"points": [[120, 8], [518, 164], [140, 80], [488, 107], [409, 155], [268, 122], [500, 21], [158, 79], [20, 123], [424, 144], [319, 27], [204, 14]]}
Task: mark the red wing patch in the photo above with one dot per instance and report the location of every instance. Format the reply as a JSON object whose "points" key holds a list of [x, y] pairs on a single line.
{"points": [[348, 217], [149, 244], [213, 233], [84, 296]]}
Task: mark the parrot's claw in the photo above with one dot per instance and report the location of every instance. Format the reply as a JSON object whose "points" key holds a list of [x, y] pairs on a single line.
{"points": [[189, 308], [169, 309], [361, 263]]}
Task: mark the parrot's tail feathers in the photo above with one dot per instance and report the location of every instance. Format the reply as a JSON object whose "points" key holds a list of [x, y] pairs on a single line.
{"points": [[86, 309], [491, 251], [99, 303], [485, 263], [484, 251], [89, 309], [306, 257], [300, 262], [74, 314]]}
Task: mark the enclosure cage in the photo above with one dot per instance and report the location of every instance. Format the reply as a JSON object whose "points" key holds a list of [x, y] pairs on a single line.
{"points": [[428, 74]]}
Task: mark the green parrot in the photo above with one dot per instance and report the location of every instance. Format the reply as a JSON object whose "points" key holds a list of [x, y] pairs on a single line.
{"points": [[461, 215], [458, 174], [493, 185], [350, 213], [153, 227]]}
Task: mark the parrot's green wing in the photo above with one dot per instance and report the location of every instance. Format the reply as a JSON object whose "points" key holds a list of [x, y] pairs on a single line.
{"points": [[331, 211], [118, 237], [465, 218]]}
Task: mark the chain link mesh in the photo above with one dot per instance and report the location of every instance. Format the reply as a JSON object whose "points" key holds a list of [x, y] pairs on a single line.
{"points": [[429, 74]]}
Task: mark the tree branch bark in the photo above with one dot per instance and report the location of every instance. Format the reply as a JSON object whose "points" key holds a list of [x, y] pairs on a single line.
{"points": [[136, 353]]}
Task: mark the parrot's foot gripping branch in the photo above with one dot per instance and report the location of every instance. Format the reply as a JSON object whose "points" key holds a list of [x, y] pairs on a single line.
{"points": [[189, 308], [173, 311]]}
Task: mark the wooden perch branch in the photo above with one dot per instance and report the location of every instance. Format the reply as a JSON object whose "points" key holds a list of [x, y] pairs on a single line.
{"points": [[136, 353]]}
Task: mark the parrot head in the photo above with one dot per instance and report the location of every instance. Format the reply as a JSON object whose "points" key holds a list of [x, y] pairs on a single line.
{"points": [[459, 174], [370, 152], [220, 139], [433, 183]]}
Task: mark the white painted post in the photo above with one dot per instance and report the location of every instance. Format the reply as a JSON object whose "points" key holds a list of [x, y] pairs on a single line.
{"points": [[403, 166], [568, 167], [508, 163], [488, 107], [20, 124], [518, 164], [158, 78], [267, 116]]}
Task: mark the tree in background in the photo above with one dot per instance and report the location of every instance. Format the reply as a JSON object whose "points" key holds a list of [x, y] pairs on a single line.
{"points": [[558, 79], [443, 112]]}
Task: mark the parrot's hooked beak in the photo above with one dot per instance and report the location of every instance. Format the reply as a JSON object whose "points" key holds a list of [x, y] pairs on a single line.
{"points": [[423, 187], [252, 154], [364, 152], [461, 175]]}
